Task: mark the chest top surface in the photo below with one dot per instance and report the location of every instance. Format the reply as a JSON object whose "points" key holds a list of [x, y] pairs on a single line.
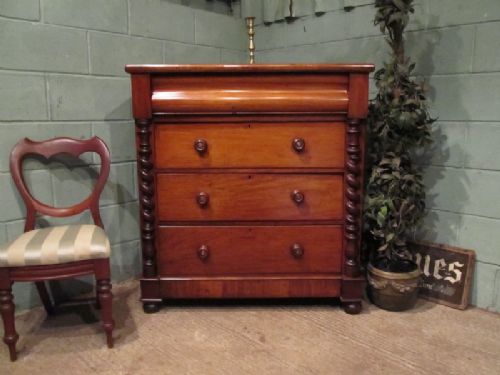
{"points": [[247, 68]]}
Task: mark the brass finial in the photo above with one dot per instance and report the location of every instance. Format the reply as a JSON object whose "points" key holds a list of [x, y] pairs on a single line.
{"points": [[251, 44]]}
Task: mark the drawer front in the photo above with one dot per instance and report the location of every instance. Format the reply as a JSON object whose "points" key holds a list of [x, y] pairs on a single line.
{"points": [[243, 196], [246, 145], [255, 92], [249, 250]]}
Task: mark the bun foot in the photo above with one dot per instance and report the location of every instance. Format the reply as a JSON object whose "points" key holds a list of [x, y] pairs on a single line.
{"points": [[151, 307], [352, 307]]}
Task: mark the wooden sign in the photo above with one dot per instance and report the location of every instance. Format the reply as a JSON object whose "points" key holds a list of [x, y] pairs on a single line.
{"points": [[446, 273]]}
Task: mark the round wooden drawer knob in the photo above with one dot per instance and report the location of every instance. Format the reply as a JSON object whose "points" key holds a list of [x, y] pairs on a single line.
{"points": [[298, 197], [201, 146], [297, 251], [202, 199], [299, 145], [203, 252]]}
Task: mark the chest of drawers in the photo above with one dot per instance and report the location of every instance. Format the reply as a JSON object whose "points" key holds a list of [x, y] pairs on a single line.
{"points": [[250, 180]]}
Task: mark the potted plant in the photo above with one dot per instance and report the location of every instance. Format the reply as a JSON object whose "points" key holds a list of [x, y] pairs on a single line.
{"points": [[398, 125]]}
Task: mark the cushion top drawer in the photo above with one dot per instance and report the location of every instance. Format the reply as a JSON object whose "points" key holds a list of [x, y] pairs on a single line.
{"points": [[238, 250], [270, 92], [243, 196], [250, 145]]}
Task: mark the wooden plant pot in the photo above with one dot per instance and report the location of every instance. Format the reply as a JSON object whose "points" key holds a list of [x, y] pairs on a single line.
{"points": [[393, 291]]}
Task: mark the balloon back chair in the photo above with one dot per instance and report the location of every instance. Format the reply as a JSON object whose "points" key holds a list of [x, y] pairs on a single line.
{"points": [[56, 252]]}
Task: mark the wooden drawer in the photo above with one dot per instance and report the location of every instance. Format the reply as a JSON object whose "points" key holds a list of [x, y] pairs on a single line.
{"points": [[251, 145], [261, 286], [249, 250], [243, 196], [242, 93]]}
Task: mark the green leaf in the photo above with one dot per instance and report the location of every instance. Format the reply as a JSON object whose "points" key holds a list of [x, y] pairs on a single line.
{"points": [[401, 6]]}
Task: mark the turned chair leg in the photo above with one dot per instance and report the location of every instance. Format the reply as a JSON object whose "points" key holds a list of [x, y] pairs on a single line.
{"points": [[106, 302], [45, 297], [102, 276], [7, 308], [97, 301]]}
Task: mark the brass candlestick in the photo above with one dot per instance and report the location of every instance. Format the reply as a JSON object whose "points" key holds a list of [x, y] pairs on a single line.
{"points": [[251, 44]]}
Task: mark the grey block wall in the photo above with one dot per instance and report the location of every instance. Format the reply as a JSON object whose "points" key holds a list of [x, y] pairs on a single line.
{"points": [[61, 74], [456, 47]]}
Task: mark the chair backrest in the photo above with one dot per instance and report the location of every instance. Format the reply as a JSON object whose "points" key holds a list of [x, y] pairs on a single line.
{"points": [[47, 149]]}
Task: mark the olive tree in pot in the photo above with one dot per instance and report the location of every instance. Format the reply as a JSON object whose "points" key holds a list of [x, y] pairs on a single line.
{"points": [[398, 125]]}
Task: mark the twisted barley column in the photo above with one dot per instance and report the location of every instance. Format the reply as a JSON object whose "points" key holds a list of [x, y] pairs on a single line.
{"points": [[146, 190], [353, 197]]}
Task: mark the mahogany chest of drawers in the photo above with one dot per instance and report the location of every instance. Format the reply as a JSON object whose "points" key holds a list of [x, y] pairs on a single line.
{"points": [[250, 180]]}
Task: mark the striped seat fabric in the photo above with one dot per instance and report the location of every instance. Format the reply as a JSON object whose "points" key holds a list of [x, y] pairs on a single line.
{"points": [[55, 245]]}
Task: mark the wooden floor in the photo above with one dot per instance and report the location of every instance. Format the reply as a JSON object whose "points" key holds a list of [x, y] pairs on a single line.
{"points": [[264, 339]]}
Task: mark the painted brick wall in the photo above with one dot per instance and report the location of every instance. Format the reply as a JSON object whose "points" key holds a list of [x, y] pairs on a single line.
{"points": [[218, 6], [61, 74], [456, 47]]}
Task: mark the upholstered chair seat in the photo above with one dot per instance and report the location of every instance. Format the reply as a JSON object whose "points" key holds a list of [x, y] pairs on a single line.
{"points": [[55, 245]]}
